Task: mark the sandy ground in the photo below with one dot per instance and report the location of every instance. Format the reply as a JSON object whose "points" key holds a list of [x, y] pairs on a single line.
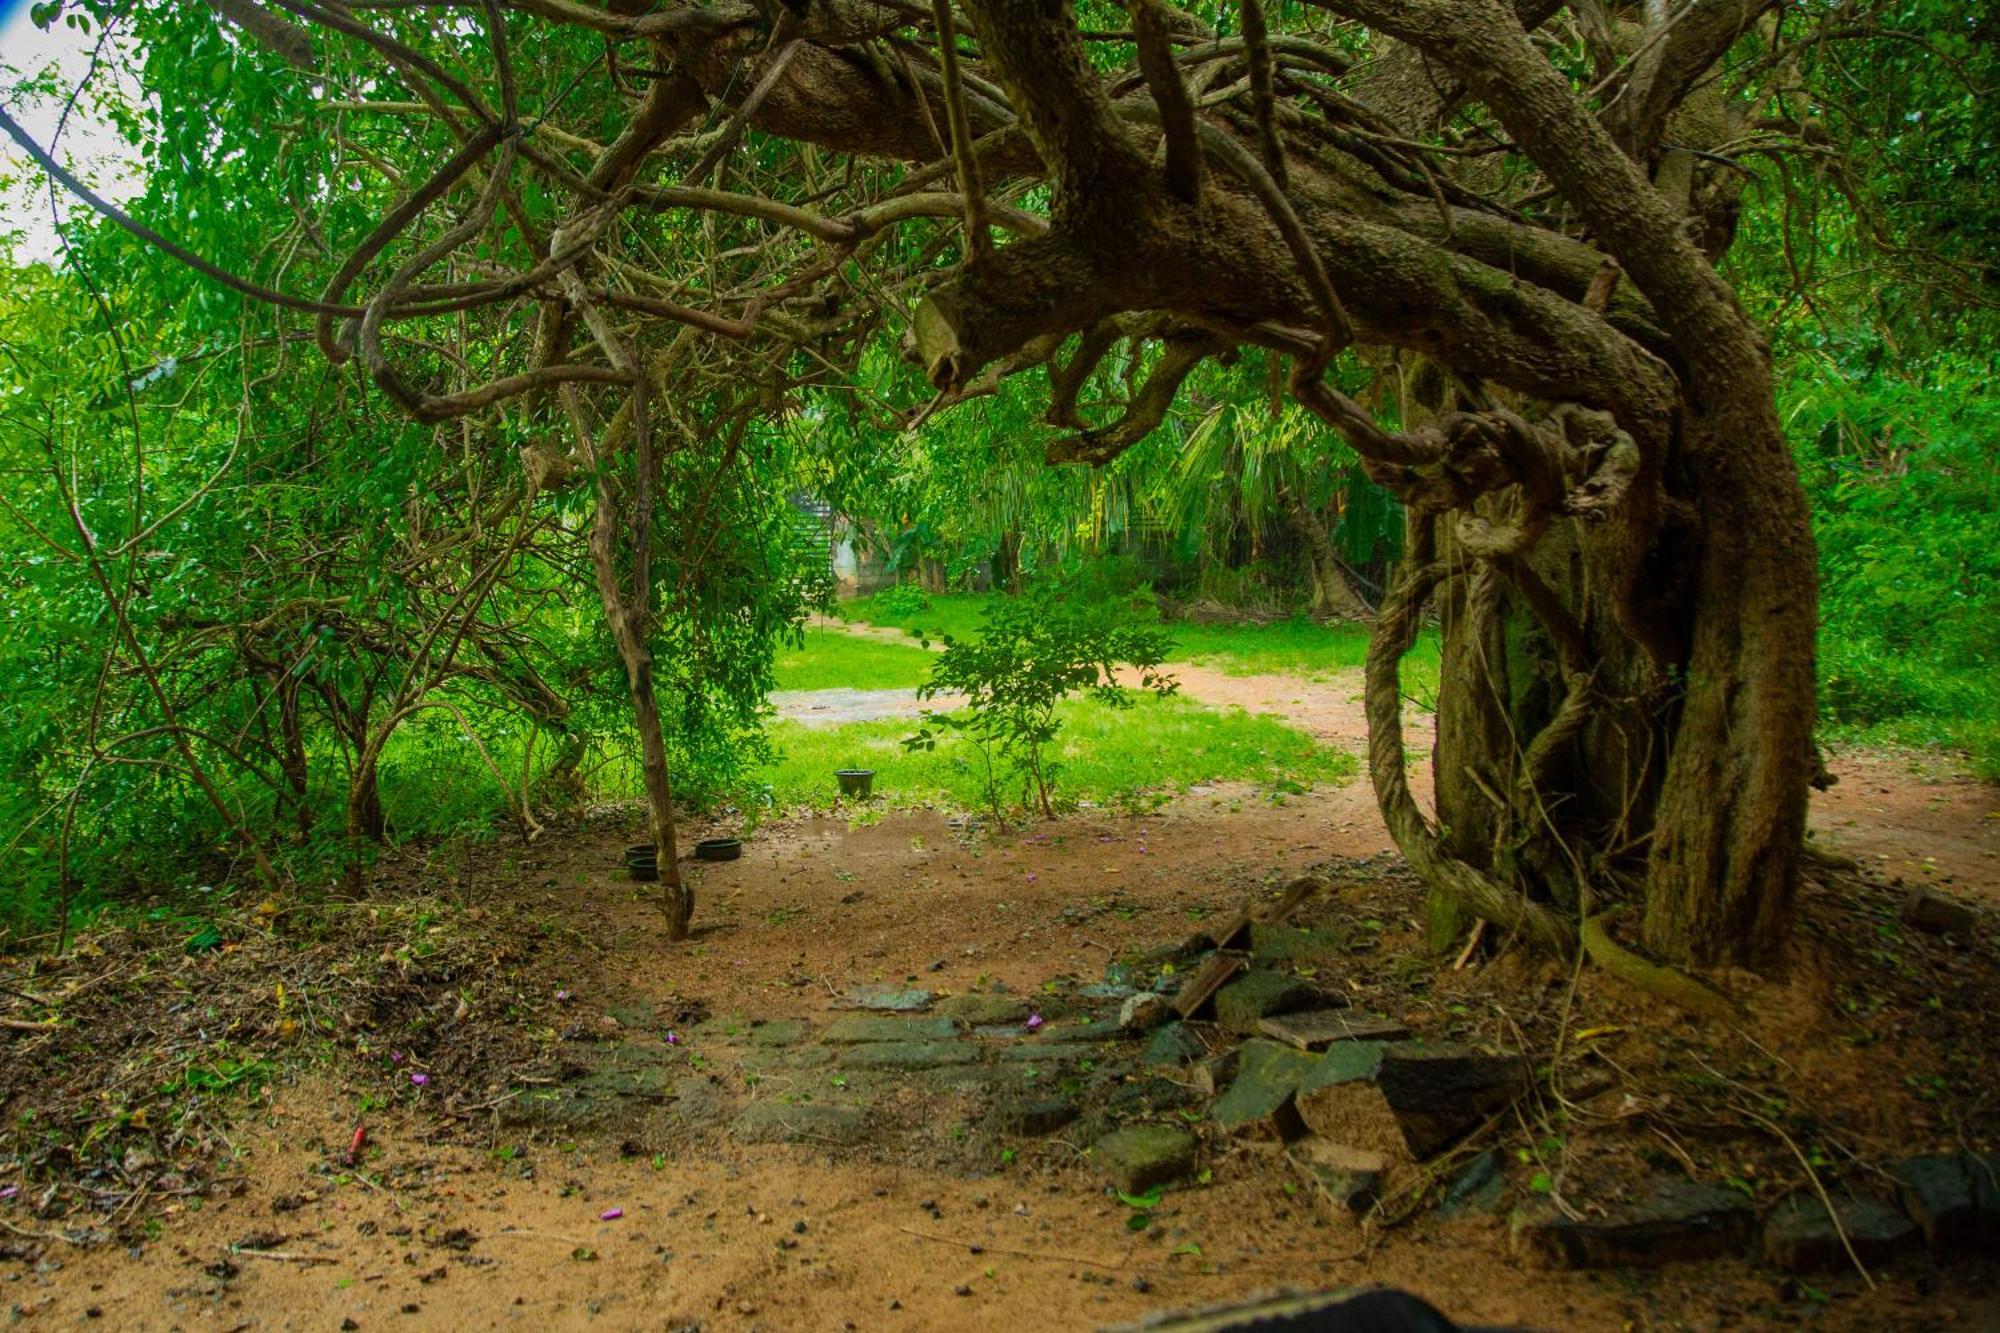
{"points": [[466, 1221]]}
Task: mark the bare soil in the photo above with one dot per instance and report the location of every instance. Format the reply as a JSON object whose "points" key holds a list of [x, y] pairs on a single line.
{"points": [[183, 1149]]}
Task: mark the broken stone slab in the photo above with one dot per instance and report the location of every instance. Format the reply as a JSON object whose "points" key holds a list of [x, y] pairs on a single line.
{"points": [[800, 1122], [1800, 1235], [1049, 1052], [1347, 1181], [1317, 1029], [1258, 1104], [893, 999], [1258, 994], [1441, 1090], [1031, 1117], [1369, 1308], [1340, 1099], [1139, 1157], [1927, 909], [860, 1027], [907, 1054], [1205, 981], [1105, 1029], [1174, 1044], [1954, 1198], [1668, 1220], [980, 1009]]}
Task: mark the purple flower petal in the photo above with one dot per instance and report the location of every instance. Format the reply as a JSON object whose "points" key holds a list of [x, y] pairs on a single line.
{"points": [[420, 1079], [673, 1039], [611, 1214], [1034, 1022], [10, 1192]]}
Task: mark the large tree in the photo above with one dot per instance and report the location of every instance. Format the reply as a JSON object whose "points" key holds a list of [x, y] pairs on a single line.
{"points": [[1517, 206]]}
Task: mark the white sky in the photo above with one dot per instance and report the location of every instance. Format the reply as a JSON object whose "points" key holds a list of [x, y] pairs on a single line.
{"points": [[89, 146]]}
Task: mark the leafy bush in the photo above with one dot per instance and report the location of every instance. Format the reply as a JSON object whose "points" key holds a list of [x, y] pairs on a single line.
{"points": [[1032, 653]]}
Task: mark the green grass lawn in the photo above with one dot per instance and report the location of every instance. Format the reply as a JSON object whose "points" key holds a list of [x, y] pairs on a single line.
{"points": [[1108, 756], [1297, 647], [832, 660]]}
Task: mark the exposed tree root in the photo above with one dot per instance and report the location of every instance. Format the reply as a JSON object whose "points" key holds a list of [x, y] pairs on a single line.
{"points": [[1650, 977]]}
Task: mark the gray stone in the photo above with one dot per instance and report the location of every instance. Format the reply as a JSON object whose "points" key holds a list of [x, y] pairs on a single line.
{"points": [[893, 999], [1031, 1117], [979, 1009], [1669, 1220], [1259, 1102], [1174, 1044], [1256, 995], [800, 1122], [1143, 1012], [1106, 1029], [1955, 1199], [859, 1028], [1105, 990], [907, 1054], [1927, 909], [1049, 1052], [1800, 1236], [1142, 1156], [1477, 1189], [769, 1059]]}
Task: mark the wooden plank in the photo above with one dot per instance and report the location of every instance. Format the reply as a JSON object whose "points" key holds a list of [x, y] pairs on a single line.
{"points": [[1317, 1029], [1200, 988]]}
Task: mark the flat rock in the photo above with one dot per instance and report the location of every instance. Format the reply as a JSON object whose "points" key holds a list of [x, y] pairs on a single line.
{"points": [[1927, 909], [1800, 1235], [907, 1054], [856, 1028], [894, 999], [1103, 1029], [980, 1009], [1139, 1157], [1049, 1052], [1259, 993], [1174, 1044], [1031, 1117], [1317, 1029], [1347, 1181], [800, 1122], [1259, 1101], [1669, 1220], [1954, 1198], [780, 1032]]}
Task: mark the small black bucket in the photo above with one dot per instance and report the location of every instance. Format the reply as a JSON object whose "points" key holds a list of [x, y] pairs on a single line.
{"points": [[855, 781], [642, 861]]}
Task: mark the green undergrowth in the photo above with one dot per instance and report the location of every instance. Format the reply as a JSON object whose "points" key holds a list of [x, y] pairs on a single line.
{"points": [[1107, 757]]}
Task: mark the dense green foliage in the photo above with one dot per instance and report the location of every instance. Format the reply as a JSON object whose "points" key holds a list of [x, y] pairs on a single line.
{"points": [[259, 619]]}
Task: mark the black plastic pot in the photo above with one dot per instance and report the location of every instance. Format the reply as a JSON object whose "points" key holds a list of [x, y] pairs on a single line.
{"points": [[638, 850], [643, 868], [855, 781], [718, 849]]}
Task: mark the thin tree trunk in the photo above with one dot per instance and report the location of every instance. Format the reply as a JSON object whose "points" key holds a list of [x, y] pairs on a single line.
{"points": [[1332, 598]]}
